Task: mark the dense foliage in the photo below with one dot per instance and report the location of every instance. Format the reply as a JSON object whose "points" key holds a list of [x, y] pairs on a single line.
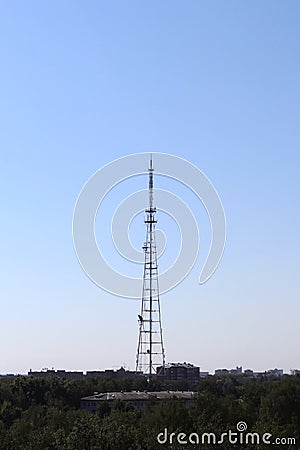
{"points": [[44, 413]]}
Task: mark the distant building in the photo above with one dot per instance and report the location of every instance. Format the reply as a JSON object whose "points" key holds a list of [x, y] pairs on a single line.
{"points": [[136, 399], [69, 375], [119, 374], [221, 372], [204, 374], [295, 372], [274, 373], [58, 373], [180, 372], [236, 371]]}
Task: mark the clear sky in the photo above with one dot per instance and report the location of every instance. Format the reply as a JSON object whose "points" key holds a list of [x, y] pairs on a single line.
{"points": [[84, 83]]}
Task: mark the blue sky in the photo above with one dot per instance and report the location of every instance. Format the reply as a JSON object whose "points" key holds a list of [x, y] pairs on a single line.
{"points": [[84, 83]]}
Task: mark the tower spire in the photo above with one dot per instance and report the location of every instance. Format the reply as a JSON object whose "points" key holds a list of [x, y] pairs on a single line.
{"points": [[150, 170], [150, 352]]}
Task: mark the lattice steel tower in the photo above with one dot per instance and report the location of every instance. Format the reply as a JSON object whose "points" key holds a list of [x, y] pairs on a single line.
{"points": [[150, 352]]}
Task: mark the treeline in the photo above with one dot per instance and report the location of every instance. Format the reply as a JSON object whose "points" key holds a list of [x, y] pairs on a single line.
{"points": [[44, 414]]}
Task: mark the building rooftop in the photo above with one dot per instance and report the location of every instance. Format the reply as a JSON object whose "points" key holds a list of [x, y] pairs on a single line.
{"points": [[179, 364], [137, 395]]}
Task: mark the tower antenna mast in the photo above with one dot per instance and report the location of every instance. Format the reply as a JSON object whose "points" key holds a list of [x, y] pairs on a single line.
{"points": [[150, 352]]}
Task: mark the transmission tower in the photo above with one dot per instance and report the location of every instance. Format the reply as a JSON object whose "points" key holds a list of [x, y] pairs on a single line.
{"points": [[150, 352]]}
